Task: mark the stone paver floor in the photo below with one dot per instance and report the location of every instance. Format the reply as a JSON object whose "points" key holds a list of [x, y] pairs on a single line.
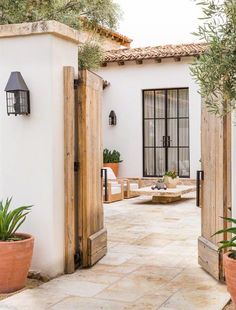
{"points": [[151, 264]]}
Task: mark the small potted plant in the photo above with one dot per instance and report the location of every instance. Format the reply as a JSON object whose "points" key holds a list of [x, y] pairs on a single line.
{"points": [[229, 258], [16, 249], [171, 179], [112, 159]]}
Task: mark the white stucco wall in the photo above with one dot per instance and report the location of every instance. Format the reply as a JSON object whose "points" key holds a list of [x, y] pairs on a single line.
{"points": [[124, 96], [32, 147]]}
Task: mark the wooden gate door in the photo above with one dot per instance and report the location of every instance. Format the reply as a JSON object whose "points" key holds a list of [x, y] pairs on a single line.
{"points": [[92, 234], [215, 189], [85, 235]]}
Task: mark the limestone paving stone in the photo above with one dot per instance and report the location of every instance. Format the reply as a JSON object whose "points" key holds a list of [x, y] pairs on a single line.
{"points": [[152, 263], [78, 303], [32, 299]]}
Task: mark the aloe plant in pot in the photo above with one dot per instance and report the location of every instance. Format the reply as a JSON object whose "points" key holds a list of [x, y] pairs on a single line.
{"points": [[229, 258], [112, 159], [16, 249]]}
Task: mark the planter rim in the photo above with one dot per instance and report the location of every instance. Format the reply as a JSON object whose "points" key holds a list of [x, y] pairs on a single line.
{"points": [[113, 162], [226, 255], [28, 237]]}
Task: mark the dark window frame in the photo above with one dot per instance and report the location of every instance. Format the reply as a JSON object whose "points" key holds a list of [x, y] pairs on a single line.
{"points": [[166, 118]]}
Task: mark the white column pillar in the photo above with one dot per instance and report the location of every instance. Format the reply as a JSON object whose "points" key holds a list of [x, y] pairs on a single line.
{"points": [[32, 147]]}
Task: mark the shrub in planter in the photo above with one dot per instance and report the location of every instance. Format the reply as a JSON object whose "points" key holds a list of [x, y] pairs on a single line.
{"points": [[16, 249], [171, 179], [112, 159], [229, 258]]}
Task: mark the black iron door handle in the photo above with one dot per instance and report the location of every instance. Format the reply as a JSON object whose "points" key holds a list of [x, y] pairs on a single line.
{"points": [[104, 175], [200, 176], [168, 141], [164, 141]]}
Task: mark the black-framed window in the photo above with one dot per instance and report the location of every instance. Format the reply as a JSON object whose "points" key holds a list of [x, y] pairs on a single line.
{"points": [[166, 132]]}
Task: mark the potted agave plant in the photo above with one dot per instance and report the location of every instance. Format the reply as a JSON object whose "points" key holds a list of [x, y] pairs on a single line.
{"points": [[229, 258], [112, 159], [171, 179], [16, 249]]}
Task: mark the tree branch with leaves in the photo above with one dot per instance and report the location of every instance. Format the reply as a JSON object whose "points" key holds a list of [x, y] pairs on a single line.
{"points": [[215, 70], [104, 13], [100, 12]]}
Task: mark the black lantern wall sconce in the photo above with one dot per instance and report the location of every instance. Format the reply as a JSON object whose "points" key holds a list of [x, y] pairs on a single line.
{"points": [[17, 95], [112, 118]]}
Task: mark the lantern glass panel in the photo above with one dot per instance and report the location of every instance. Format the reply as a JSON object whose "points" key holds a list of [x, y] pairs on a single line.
{"points": [[18, 102], [112, 118]]}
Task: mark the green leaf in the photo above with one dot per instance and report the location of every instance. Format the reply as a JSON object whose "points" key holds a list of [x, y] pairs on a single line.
{"points": [[111, 156], [11, 220], [229, 219], [90, 56], [215, 70], [227, 245], [78, 14], [229, 230]]}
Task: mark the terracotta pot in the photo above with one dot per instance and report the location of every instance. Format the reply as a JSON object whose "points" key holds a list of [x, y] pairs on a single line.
{"points": [[230, 275], [15, 260], [171, 183], [113, 166]]}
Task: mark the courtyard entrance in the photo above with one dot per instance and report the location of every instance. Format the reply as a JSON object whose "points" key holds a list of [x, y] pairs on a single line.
{"points": [[86, 236]]}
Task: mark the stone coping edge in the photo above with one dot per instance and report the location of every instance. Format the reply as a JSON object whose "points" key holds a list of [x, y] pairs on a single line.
{"points": [[42, 27]]}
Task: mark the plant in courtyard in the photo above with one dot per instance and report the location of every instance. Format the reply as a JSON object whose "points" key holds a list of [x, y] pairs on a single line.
{"points": [[11, 220], [171, 179], [229, 258], [231, 243], [16, 249], [172, 174], [90, 55], [215, 70], [78, 14], [111, 156]]}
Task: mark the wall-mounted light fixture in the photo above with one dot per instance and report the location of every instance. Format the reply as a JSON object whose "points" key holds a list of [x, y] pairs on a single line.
{"points": [[17, 95], [112, 118]]}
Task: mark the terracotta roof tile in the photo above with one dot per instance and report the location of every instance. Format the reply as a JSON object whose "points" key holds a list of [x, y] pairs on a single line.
{"points": [[123, 40], [162, 51]]}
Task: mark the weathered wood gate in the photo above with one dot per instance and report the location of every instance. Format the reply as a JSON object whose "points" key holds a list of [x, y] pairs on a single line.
{"points": [[215, 188], [85, 235]]}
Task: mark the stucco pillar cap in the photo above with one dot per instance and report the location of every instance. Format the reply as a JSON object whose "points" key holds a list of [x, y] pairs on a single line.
{"points": [[39, 28]]}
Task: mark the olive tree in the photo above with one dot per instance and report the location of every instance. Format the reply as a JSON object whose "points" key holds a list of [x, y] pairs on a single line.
{"points": [[215, 70], [100, 12], [70, 12]]}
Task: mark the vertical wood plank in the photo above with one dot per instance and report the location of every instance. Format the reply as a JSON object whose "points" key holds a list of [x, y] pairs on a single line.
{"points": [[216, 188], [69, 155], [91, 220], [227, 177]]}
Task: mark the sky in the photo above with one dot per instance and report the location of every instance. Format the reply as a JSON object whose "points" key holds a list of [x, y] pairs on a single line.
{"points": [[155, 22]]}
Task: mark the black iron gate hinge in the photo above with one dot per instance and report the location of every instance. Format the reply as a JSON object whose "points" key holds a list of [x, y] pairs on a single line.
{"points": [[77, 259], [200, 177], [76, 83], [76, 166]]}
